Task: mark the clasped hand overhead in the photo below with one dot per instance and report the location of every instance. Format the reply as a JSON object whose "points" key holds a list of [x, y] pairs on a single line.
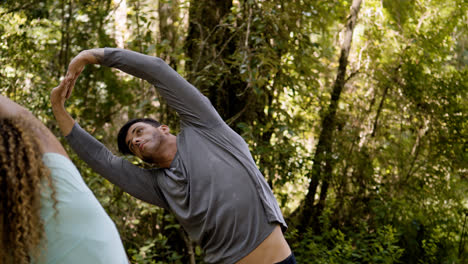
{"points": [[64, 90]]}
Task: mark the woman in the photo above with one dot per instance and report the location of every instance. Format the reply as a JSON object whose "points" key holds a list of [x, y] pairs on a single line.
{"points": [[47, 213]]}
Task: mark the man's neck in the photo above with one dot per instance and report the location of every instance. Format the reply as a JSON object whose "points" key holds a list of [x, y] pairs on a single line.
{"points": [[167, 156]]}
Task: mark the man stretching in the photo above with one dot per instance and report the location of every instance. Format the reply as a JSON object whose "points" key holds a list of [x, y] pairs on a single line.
{"points": [[206, 177]]}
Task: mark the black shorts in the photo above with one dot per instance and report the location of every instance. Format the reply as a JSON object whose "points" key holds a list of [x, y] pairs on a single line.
{"points": [[288, 260]]}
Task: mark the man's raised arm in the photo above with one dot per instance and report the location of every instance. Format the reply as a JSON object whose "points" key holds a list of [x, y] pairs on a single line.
{"points": [[132, 179], [193, 107]]}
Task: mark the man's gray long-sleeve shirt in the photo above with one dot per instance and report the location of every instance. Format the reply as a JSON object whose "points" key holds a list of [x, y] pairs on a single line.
{"points": [[213, 186]]}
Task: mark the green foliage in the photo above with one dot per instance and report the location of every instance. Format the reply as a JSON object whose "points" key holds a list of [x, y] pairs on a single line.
{"points": [[334, 246], [397, 192]]}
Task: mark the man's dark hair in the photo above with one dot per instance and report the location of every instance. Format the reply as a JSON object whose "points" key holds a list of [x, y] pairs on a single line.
{"points": [[123, 147]]}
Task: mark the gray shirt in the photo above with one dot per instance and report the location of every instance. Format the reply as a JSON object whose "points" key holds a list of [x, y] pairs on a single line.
{"points": [[213, 186]]}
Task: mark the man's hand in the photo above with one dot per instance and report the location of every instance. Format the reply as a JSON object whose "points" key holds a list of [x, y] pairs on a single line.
{"points": [[62, 92], [58, 96], [76, 66]]}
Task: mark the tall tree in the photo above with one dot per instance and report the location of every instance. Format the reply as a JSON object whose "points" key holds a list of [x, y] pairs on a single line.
{"points": [[323, 159]]}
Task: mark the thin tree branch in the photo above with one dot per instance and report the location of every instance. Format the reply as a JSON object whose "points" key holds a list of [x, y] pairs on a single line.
{"points": [[25, 6]]}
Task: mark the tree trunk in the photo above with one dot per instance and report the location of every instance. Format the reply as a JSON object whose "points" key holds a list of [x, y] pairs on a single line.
{"points": [[168, 18], [65, 37], [120, 21], [189, 244], [209, 43], [322, 163], [384, 96]]}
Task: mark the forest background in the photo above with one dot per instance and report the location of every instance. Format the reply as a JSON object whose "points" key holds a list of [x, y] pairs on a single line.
{"points": [[355, 111]]}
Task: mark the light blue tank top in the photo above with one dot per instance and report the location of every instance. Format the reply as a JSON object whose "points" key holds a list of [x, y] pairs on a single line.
{"points": [[81, 232]]}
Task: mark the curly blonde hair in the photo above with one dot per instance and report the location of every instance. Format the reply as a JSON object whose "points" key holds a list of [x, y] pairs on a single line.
{"points": [[23, 176]]}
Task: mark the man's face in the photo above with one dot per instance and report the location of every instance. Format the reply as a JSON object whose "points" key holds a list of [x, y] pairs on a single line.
{"points": [[144, 140]]}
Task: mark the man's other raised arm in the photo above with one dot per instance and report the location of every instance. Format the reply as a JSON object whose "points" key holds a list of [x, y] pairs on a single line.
{"points": [[192, 106]]}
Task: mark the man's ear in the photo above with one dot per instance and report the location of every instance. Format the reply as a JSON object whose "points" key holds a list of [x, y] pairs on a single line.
{"points": [[164, 129]]}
